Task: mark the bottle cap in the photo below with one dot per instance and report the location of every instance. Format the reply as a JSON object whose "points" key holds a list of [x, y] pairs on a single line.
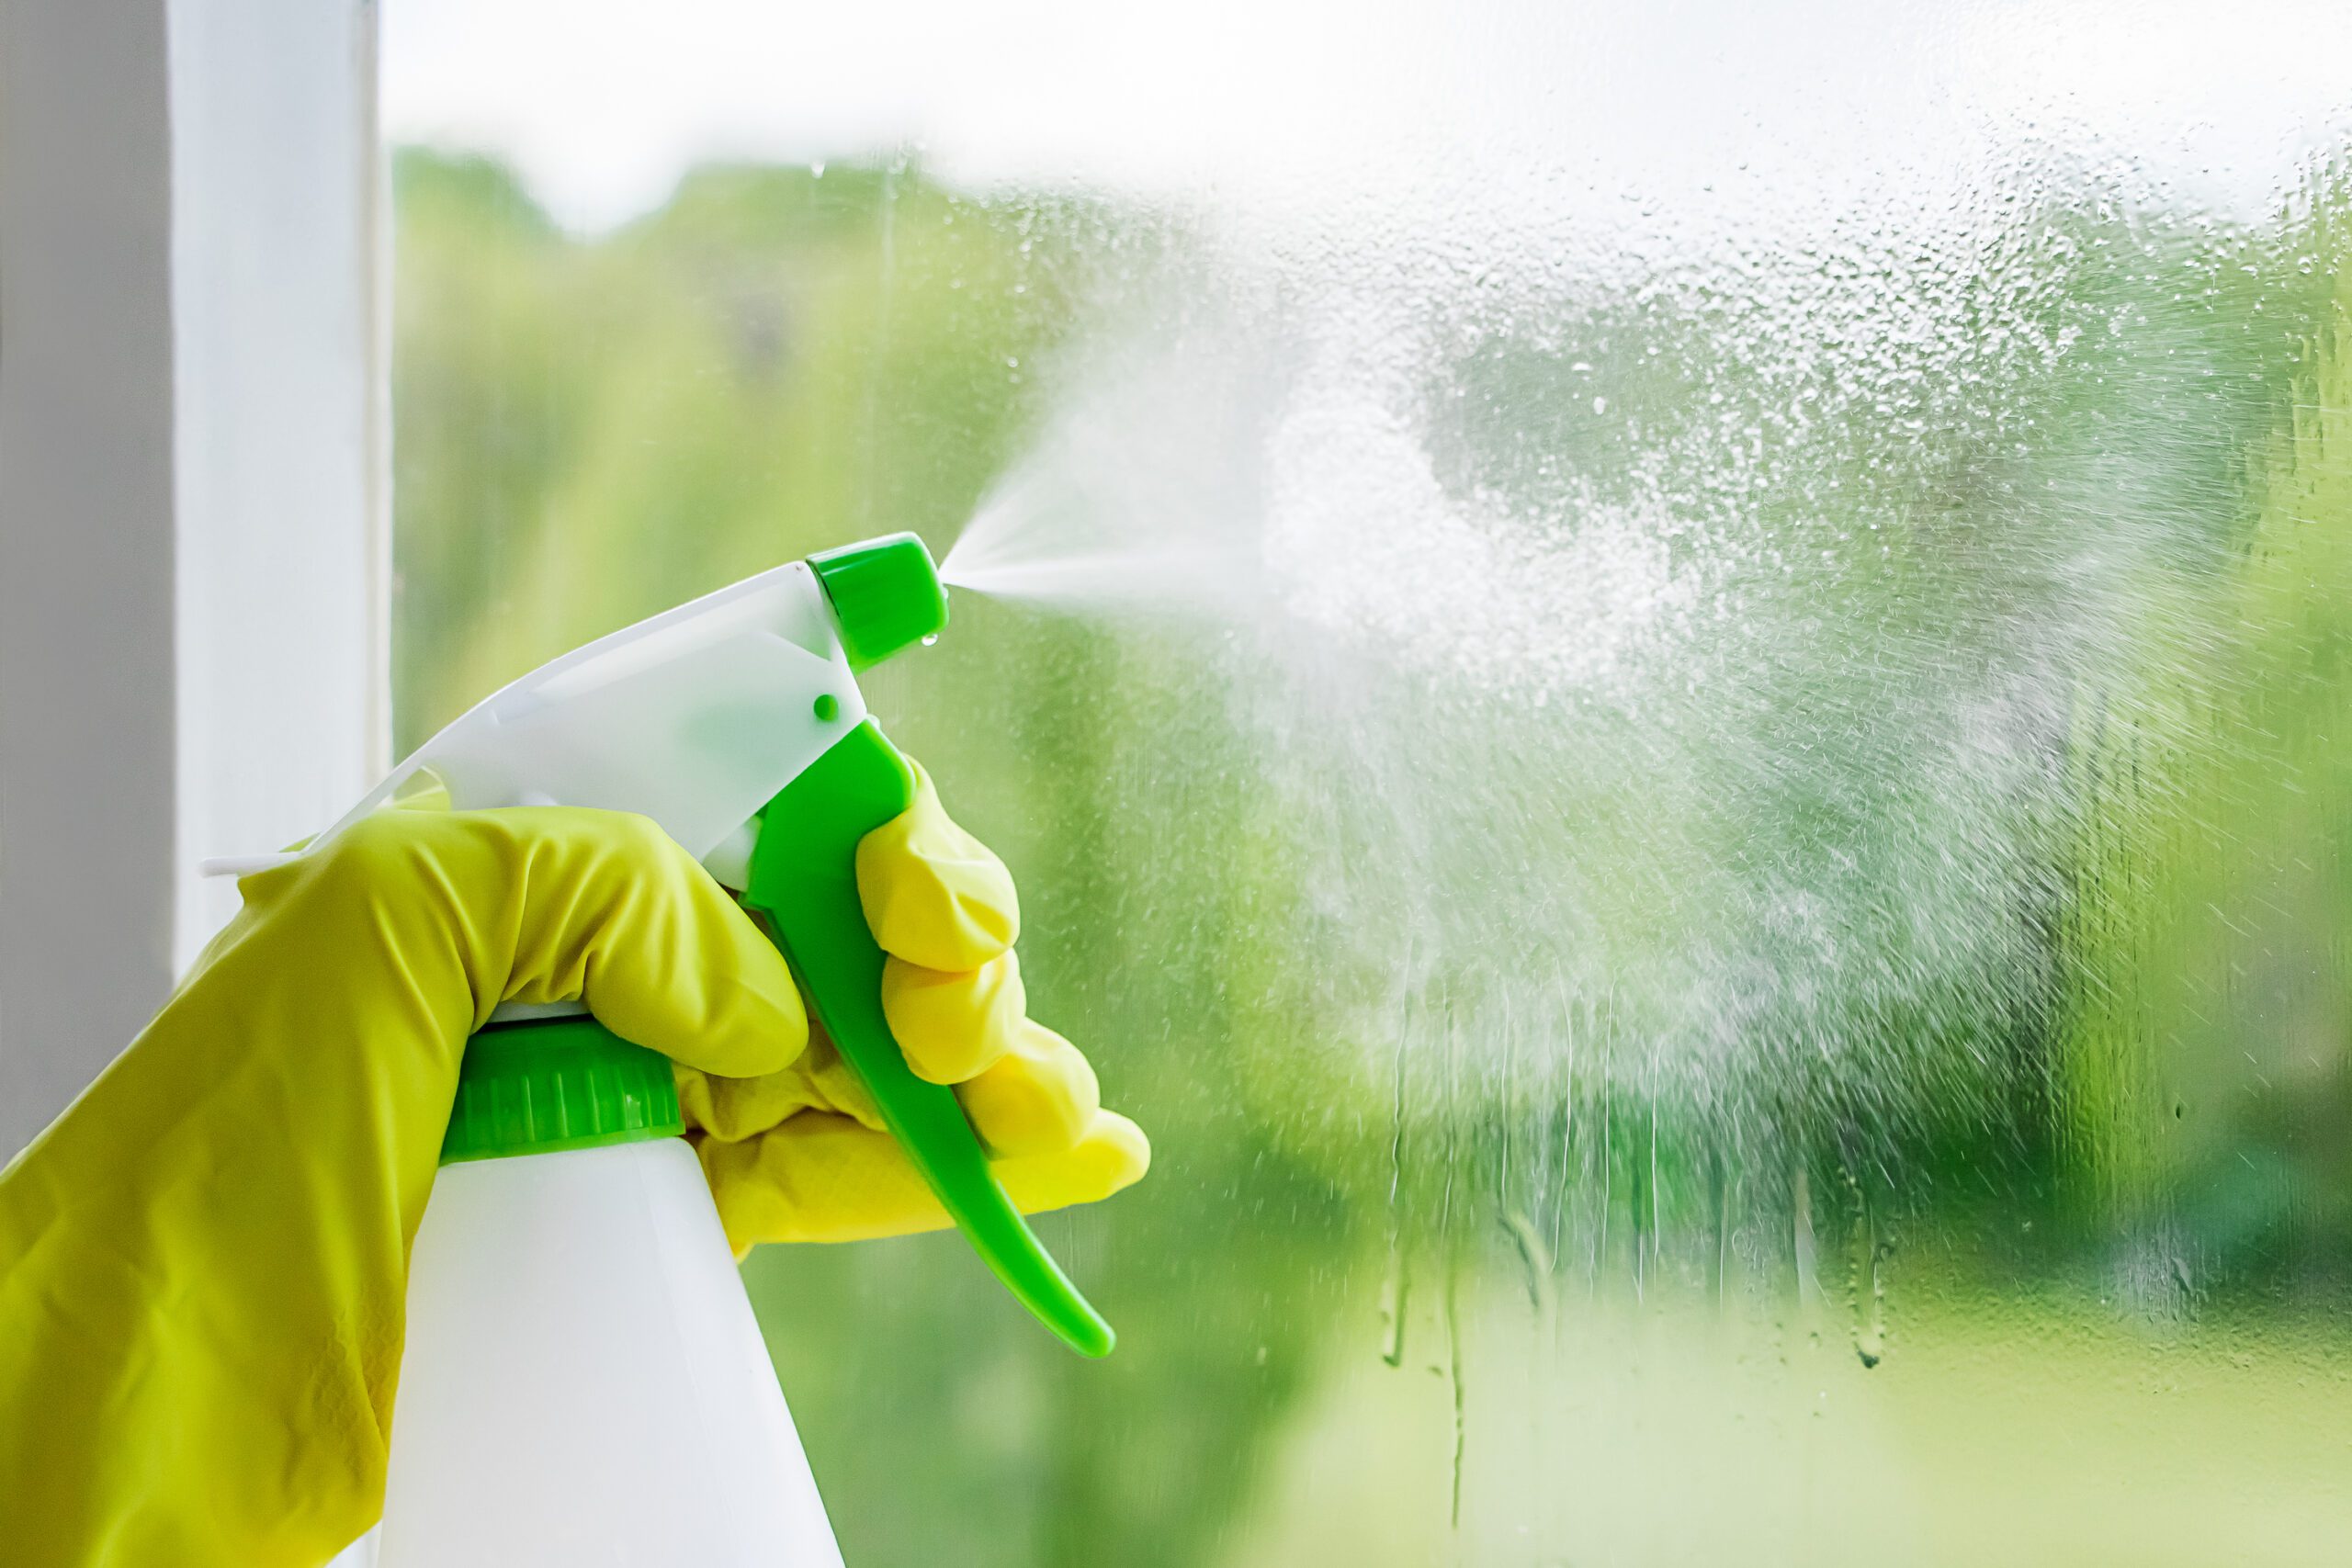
{"points": [[886, 596], [567, 1083]]}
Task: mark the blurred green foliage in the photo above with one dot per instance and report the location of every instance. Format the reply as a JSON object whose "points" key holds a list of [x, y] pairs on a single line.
{"points": [[2207, 1040], [773, 362]]}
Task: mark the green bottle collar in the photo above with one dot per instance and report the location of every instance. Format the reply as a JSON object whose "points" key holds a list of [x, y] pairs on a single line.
{"points": [[567, 1083]]}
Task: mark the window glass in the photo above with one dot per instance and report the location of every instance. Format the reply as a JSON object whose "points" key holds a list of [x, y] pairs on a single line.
{"points": [[1672, 692]]}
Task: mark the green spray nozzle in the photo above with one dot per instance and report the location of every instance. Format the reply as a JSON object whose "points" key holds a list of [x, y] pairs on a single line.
{"points": [[886, 597]]}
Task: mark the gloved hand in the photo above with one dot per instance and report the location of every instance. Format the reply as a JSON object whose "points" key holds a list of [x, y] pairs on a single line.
{"points": [[203, 1262], [799, 1153]]}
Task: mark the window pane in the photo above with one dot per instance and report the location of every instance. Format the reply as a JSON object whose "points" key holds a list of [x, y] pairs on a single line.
{"points": [[1673, 694]]}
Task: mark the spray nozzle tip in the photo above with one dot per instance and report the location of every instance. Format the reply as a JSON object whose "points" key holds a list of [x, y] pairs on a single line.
{"points": [[886, 596]]}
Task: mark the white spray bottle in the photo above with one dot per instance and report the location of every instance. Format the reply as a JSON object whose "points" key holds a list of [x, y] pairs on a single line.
{"points": [[583, 1381]]}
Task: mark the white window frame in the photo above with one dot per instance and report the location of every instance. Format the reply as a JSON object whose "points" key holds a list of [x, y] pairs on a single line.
{"points": [[194, 539]]}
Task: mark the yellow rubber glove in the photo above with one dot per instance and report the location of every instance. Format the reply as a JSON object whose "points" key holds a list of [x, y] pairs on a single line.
{"points": [[800, 1154], [203, 1262]]}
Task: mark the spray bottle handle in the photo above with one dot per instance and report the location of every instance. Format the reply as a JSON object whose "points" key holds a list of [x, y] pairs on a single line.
{"points": [[803, 881]]}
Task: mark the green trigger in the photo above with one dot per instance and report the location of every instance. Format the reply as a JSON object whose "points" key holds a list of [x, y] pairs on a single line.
{"points": [[803, 881]]}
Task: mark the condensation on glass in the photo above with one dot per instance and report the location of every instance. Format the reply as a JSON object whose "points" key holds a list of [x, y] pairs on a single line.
{"points": [[1674, 699]]}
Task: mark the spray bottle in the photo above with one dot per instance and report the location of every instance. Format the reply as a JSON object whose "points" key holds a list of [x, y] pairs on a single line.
{"points": [[583, 1380]]}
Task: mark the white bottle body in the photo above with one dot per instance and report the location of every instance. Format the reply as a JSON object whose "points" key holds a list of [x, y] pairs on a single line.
{"points": [[585, 1383]]}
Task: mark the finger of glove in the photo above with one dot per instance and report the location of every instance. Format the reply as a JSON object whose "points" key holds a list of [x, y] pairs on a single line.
{"points": [[732, 1109], [934, 894], [632, 926], [562, 903], [954, 1024], [1039, 1099], [820, 1177]]}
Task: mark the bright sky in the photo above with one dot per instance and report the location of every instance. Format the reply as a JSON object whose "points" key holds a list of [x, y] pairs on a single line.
{"points": [[603, 103]]}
